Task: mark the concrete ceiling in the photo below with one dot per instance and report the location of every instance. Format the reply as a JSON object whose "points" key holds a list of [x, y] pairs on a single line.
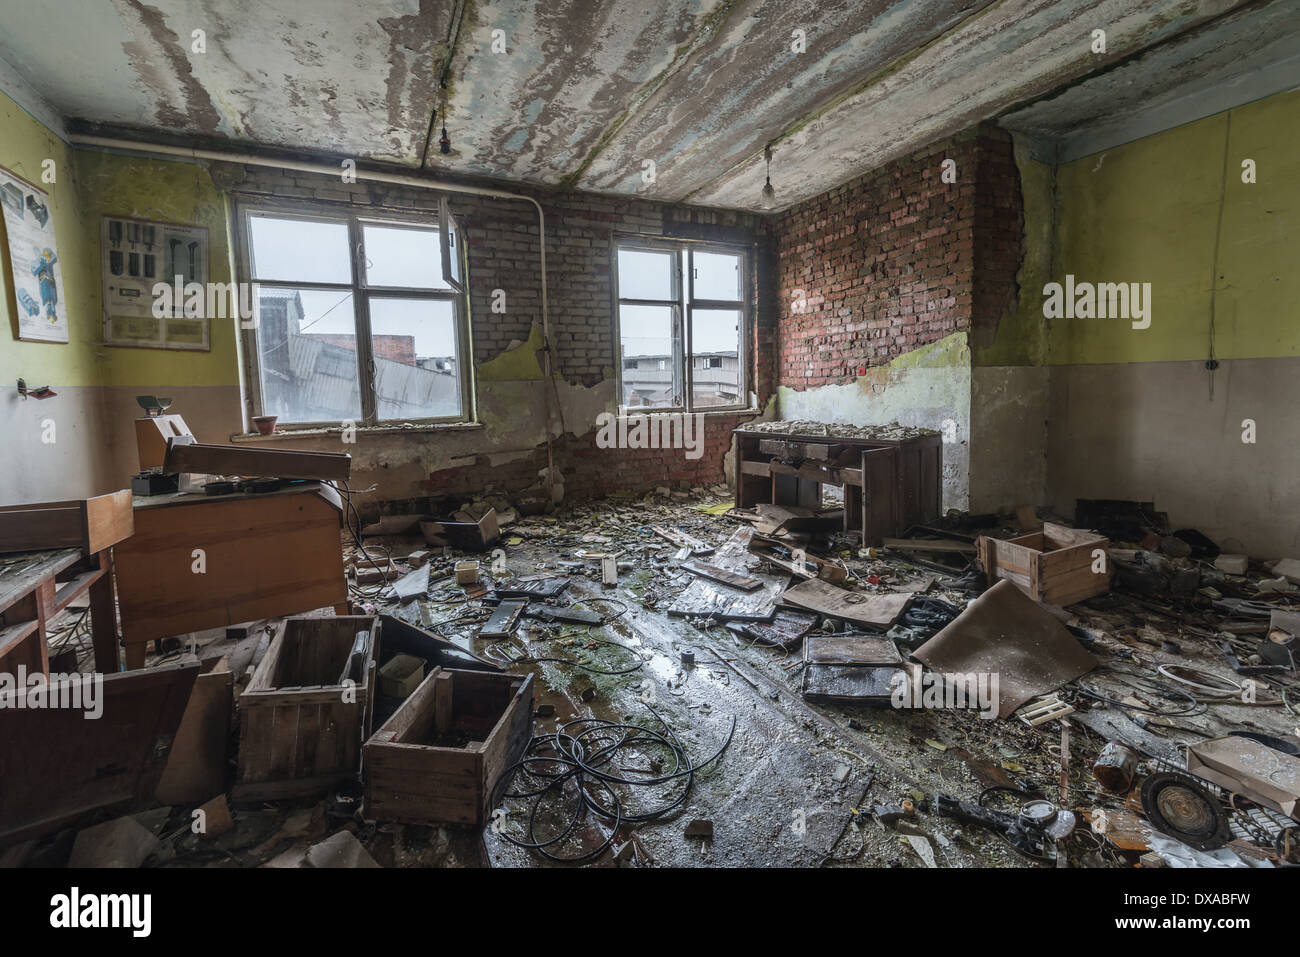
{"points": [[586, 92], [1249, 54]]}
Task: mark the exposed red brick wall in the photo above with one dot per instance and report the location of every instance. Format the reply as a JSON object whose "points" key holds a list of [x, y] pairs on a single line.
{"points": [[895, 259], [590, 471], [397, 348], [999, 231]]}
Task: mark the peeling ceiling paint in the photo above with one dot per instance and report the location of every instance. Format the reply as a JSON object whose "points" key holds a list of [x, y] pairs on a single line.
{"points": [[582, 94]]}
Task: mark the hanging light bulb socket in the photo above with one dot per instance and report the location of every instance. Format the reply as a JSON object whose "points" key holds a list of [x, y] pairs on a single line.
{"points": [[768, 200]]}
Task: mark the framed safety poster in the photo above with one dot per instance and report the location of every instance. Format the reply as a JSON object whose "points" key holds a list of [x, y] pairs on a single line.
{"points": [[137, 255], [34, 260]]}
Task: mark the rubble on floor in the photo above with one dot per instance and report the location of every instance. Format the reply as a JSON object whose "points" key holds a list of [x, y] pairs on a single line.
{"points": [[788, 696]]}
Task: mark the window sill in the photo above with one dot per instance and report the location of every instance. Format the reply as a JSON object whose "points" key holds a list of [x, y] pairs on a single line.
{"points": [[311, 433], [624, 413]]}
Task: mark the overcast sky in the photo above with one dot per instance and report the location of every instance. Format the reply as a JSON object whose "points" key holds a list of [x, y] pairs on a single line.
{"points": [[306, 251]]}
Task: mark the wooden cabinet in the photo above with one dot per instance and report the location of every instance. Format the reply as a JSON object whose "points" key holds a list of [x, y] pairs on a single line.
{"points": [[198, 562], [890, 484]]}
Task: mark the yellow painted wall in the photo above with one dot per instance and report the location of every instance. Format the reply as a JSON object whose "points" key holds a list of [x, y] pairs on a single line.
{"points": [[1147, 211], [24, 144], [120, 185]]}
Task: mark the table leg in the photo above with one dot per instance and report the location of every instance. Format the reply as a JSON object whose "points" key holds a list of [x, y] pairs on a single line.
{"points": [[103, 619]]}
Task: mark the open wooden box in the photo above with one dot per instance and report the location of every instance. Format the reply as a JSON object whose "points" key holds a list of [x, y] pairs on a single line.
{"points": [[437, 758], [1053, 566], [300, 726]]}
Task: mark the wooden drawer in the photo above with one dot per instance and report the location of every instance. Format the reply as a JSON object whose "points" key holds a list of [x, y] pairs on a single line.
{"points": [[91, 524]]}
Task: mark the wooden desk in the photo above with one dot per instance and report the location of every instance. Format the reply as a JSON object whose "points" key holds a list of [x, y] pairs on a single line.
{"points": [[36, 586], [890, 484], [197, 562]]}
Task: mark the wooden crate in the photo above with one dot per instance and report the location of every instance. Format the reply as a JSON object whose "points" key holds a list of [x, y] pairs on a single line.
{"points": [[299, 733], [91, 524], [437, 758], [1053, 566]]}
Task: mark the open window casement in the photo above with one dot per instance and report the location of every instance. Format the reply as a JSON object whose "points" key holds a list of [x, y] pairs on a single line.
{"points": [[450, 234]]}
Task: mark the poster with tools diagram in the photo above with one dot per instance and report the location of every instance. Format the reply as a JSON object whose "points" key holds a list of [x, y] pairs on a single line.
{"points": [[34, 260], [138, 254]]}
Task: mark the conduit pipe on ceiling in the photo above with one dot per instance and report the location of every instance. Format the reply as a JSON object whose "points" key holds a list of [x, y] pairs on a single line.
{"points": [[378, 176]]}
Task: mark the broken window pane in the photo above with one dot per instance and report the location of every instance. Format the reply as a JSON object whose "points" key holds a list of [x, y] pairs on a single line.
{"points": [[299, 250], [646, 334], [715, 345], [306, 342], [403, 257], [417, 372]]}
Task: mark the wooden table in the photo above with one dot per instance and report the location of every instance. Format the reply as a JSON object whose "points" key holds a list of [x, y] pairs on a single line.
{"points": [[890, 484], [36, 586], [197, 562]]}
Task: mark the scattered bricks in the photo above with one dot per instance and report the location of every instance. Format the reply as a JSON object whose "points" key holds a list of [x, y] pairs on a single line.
{"points": [[701, 828], [1232, 564]]}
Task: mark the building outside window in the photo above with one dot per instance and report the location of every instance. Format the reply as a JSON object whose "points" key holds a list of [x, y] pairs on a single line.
{"points": [[357, 319], [683, 309]]}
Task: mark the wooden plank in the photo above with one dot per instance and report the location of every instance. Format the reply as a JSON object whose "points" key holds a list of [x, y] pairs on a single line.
{"points": [[683, 540], [235, 460], [850, 650], [876, 611], [27, 528], [443, 688], [703, 599], [196, 767], [109, 519], [744, 582], [929, 545], [56, 765]]}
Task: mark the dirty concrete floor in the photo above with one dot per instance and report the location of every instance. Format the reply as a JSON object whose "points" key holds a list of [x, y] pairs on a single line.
{"points": [[795, 785]]}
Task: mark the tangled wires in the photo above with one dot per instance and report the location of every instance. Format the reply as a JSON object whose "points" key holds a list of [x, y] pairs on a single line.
{"points": [[574, 771]]}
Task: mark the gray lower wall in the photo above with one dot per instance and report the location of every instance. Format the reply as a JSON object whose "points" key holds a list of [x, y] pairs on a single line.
{"points": [[73, 465], [1008, 429], [1150, 431]]}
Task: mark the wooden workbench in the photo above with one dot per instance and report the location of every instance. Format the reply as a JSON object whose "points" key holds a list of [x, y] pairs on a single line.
{"points": [[36, 586], [890, 484], [197, 562]]}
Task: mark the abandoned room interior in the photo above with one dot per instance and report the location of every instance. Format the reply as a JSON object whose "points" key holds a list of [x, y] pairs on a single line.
{"points": [[709, 433]]}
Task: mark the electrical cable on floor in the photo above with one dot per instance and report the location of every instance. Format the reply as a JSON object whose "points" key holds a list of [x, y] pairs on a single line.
{"points": [[573, 760]]}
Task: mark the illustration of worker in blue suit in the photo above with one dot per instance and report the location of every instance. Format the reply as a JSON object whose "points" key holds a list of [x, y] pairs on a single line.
{"points": [[43, 270]]}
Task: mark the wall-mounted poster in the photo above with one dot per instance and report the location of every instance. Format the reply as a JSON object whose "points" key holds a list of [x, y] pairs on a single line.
{"points": [[34, 257], [137, 255]]}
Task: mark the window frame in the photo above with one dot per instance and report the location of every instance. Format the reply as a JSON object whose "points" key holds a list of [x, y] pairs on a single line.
{"points": [[361, 294], [683, 307]]}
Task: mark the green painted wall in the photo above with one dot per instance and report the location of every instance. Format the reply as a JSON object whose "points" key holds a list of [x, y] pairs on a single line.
{"points": [[1148, 212], [113, 184], [24, 145]]}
